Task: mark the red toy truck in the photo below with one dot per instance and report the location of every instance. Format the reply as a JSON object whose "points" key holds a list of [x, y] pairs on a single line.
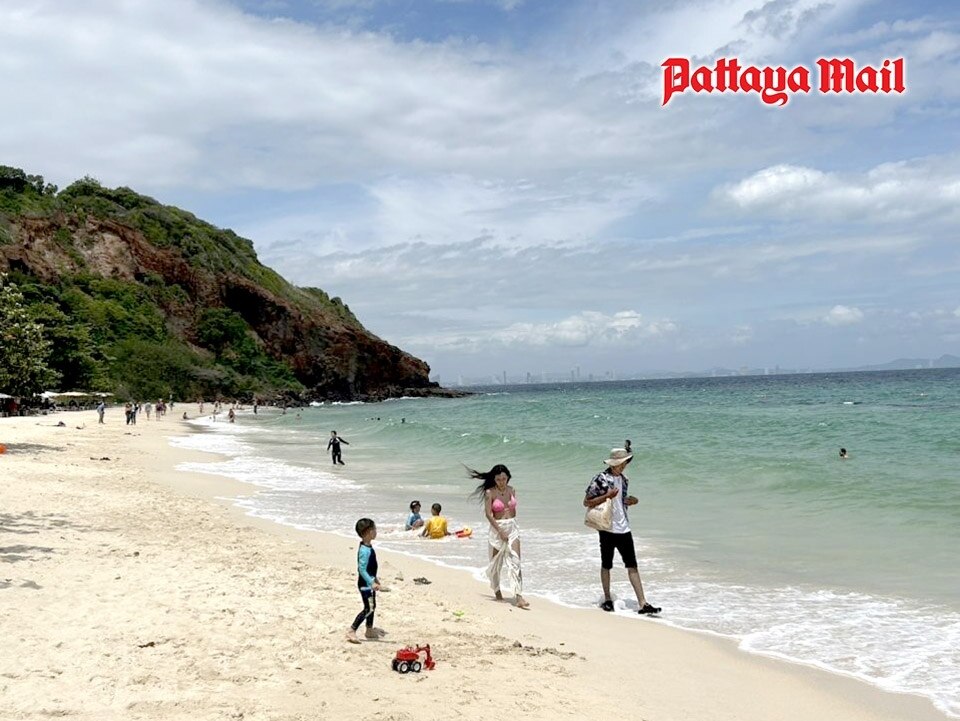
{"points": [[408, 659]]}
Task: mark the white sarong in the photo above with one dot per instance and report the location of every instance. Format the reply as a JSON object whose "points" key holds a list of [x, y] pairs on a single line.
{"points": [[504, 568]]}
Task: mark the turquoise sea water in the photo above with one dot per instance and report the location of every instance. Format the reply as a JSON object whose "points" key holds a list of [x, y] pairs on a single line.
{"points": [[748, 524]]}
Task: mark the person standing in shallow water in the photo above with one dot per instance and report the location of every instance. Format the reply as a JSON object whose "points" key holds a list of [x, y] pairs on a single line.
{"points": [[612, 484], [500, 507], [333, 445]]}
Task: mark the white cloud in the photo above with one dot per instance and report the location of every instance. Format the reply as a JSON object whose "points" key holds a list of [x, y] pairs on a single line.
{"points": [[587, 328], [741, 334], [750, 29], [194, 94], [883, 30], [888, 192], [843, 315]]}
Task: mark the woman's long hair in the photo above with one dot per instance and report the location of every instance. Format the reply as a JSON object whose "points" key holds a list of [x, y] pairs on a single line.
{"points": [[486, 479]]}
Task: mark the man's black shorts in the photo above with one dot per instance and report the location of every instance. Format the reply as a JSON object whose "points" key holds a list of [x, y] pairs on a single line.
{"points": [[623, 543]]}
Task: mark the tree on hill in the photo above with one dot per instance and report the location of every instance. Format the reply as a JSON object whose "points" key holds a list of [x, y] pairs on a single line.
{"points": [[23, 349]]}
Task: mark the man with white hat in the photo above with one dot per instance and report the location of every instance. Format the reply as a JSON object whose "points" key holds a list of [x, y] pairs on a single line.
{"points": [[612, 484]]}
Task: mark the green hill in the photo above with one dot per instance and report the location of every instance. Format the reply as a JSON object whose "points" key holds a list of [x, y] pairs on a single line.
{"points": [[143, 300]]}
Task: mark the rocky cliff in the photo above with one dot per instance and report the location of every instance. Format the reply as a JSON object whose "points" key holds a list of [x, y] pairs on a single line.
{"points": [[104, 258]]}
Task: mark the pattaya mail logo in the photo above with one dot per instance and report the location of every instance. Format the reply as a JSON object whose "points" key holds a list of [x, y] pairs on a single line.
{"points": [[775, 85]]}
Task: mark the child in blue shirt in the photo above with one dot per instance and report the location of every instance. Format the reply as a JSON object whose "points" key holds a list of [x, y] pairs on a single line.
{"points": [[414, 521], [367, 581]]}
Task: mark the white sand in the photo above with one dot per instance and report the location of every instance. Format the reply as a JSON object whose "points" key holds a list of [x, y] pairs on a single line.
{"points": [[126, 593]]}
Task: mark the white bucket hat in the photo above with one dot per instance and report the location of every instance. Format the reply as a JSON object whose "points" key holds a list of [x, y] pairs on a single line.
{"points": [[618, 456]]}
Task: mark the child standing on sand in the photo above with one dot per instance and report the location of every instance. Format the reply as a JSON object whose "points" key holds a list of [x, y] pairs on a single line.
{"points": [[367, 581]]}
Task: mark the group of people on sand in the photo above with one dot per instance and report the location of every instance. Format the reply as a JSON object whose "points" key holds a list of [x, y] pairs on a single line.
{"points": [[132, 410], [499, 499]]}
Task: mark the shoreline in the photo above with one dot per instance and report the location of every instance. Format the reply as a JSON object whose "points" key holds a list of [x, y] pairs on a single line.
{"points": [[474, 574], [664, 671]]}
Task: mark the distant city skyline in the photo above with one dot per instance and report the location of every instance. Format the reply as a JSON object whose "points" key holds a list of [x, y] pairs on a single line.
{"points": [[575, 375], [495, 185]]}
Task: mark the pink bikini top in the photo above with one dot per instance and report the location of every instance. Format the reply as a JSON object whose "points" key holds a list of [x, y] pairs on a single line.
{"points": [[498, 507]]}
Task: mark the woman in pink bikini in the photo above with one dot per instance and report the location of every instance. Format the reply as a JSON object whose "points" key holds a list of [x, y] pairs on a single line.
{"points": [[500, 507]]}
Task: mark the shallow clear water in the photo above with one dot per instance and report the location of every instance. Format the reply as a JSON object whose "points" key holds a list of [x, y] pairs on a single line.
{"points": [[748, 525]]}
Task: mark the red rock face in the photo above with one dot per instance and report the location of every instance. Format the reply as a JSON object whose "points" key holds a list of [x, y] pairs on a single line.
{"points": [[328, 350]]}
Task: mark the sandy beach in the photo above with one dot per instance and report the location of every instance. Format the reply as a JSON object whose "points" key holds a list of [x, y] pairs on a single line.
{"points": [[131, 590]]}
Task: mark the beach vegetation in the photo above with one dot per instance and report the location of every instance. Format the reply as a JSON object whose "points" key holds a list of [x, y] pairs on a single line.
{"points": [[24, 349]]}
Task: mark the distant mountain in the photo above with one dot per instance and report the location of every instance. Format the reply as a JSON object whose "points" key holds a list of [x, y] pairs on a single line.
{"points": [[905, 364]]}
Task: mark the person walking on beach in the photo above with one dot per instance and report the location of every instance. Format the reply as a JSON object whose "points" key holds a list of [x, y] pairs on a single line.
{"points": [[367, 581], [612, 484], [101, 408], [500, 507], [148, 407], [333, 445]]}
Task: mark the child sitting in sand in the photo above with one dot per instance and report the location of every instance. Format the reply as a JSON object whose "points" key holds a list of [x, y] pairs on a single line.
{"points": [[436, 527], [367, 581], [414, 521]]}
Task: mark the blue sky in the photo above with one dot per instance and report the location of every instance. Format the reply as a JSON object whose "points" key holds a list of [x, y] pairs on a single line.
{"points": [[493, 185]]}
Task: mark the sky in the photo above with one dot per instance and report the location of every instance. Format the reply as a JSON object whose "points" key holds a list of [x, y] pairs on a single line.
{"points": [[494, 185]]}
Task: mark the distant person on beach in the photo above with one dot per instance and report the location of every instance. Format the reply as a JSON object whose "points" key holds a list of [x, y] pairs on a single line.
{"points": [[185, 416], [101, 409], [612, 484], [843, 454], [436, 526], [500, 507], [148, 407], [333, 445], [231, 416], [367, 581], [414, 521], [128, 412], [627, 446]]}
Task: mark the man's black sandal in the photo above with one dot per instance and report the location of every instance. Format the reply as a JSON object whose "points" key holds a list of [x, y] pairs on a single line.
{"points": [[607, 605], [649, 610]]}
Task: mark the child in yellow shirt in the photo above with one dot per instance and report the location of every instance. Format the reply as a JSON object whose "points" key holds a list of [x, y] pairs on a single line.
{"points": [[436, 526]]}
